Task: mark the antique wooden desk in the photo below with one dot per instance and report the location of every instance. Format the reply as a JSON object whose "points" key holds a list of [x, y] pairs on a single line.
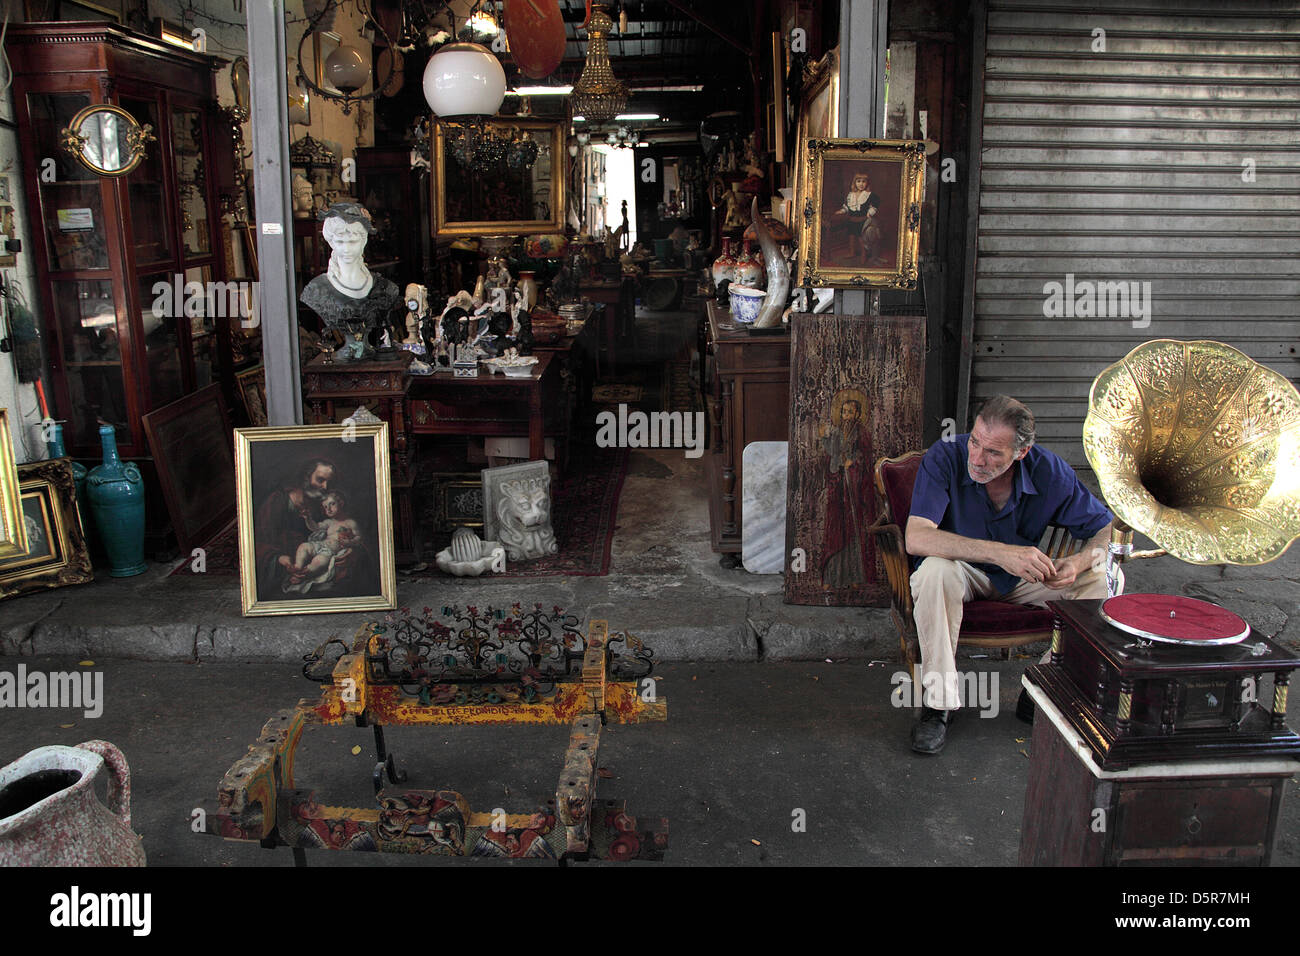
{"points": [[491, 404]]}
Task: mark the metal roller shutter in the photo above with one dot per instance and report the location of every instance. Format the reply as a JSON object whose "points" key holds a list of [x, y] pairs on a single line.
{"points": [[1127, 166]]}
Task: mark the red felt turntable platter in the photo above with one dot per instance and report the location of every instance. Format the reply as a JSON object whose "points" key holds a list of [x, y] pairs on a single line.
{"points": [[1174, 619], [535, 31]]}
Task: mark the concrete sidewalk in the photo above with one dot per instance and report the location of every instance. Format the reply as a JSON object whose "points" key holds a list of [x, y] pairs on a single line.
{"points": [[665, 585]]}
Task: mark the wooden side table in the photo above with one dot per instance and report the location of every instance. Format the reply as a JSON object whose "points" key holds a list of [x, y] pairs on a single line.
{"points": [[748, 401]]}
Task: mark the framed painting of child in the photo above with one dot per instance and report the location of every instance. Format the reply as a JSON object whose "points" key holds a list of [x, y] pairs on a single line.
{"points": [[860, 213]]}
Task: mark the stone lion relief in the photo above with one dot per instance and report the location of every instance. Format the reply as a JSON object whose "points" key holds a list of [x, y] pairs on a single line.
{"points": [[523, 513]]}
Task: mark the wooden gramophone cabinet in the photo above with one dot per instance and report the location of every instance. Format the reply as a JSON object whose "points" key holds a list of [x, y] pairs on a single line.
{"points": [[1155, 754]]}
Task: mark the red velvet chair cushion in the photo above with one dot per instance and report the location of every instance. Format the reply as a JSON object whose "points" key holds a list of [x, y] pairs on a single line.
{"points": [[990, 618], [898, 479]]}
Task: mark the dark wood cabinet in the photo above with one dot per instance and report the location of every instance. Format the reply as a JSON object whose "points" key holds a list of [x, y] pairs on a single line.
{"points": [[1182, 813], [748, 378], [115, 255]]}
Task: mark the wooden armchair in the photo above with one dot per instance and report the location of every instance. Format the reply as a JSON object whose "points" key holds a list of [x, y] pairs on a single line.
{"points": [[992, 624]]}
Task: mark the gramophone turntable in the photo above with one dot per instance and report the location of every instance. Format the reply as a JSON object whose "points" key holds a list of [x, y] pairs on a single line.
{"points": [[1163, 710]]}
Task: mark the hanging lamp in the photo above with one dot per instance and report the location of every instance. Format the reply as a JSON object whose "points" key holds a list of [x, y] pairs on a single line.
{"points": [[598, 95]]}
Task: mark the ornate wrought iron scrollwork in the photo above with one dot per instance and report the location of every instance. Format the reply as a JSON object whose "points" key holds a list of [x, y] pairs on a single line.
{"points": [[484, 655], [316, 668]]}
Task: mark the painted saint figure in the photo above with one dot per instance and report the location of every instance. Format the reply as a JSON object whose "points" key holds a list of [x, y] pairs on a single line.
{"points": [[850, 500]]}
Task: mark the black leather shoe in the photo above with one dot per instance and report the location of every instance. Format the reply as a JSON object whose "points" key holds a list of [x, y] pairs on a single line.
{"points": [[1025, 707], [930, 732]]}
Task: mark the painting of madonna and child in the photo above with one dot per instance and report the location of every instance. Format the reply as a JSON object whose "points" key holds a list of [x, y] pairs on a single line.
{"points": [[315, 519]]}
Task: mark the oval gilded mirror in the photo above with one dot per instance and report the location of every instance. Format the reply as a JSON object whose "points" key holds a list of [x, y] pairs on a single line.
{"points": [[107, 140]]}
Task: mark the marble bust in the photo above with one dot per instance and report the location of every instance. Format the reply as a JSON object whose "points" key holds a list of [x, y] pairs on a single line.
{"points": [[348, 297]]}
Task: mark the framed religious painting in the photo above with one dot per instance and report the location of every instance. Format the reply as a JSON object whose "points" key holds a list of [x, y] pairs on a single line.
{"points": [[859, 213], [13, 530], [315, 519], [56, 554], [497, 180], [857, 387]]}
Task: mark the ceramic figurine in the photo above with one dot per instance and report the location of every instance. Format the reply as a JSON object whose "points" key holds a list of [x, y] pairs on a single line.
{"points": [[417, 311], [348, 297], [302, 196]]}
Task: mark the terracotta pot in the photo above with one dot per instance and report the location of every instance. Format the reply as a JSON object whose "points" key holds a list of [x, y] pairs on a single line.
{"points": [[50, 815]]}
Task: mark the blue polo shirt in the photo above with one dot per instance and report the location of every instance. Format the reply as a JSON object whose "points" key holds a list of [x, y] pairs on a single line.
{"points": [[1045, 490]]}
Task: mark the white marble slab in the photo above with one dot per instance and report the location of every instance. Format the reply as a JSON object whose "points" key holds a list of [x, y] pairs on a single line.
{"points": [[763, 467]]}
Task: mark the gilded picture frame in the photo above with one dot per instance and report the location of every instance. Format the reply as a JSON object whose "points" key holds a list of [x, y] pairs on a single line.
{"points": [[818, 103], [300, 553], [858, 213], [56, 555], [13, 532], [453, 185]]}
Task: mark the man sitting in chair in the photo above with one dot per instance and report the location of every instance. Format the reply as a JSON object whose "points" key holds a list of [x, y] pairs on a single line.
{"points": [[980, 506]]}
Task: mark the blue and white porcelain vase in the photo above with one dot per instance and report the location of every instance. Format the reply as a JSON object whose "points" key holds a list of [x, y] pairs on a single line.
{"points": [[116, 493]]}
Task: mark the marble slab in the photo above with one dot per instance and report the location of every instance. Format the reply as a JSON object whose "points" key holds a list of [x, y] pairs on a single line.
{"points": [[763, 468]]}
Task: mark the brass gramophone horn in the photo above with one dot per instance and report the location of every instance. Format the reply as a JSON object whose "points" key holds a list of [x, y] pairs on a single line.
{"points": [[1198, 447]]}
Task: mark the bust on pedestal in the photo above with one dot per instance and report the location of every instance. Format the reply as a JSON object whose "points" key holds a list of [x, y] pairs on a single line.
{"points": [[348, 298]]}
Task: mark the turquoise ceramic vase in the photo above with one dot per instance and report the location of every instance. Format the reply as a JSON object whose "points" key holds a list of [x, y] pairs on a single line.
{"points": [[55, 449], [115, 491]]}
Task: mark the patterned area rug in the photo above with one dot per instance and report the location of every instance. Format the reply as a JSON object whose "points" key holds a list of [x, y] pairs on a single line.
{"points": [[613, 394], [583, 513]]}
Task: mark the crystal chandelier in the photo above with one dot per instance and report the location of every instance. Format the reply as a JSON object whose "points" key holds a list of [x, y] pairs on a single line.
{"points": [[484, 148], [598, 95]]}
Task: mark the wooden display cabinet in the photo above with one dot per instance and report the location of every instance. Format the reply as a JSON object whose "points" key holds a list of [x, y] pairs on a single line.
{"points": [[748, 380], [103, 246]]}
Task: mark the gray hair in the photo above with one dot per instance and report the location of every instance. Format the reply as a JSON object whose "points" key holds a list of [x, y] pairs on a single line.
{"points": [[1005, 410]]}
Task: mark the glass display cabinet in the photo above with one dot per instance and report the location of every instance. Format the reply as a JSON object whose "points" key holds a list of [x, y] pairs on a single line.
{"points": [[120, 186]]}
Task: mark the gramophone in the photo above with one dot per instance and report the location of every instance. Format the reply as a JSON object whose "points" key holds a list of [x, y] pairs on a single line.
{"points": [[1198, 447]]}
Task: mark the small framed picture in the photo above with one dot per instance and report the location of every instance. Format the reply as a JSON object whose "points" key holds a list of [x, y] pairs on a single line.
{"points": [[250, 384], [859, 213], [56, 553], [315, 514]]}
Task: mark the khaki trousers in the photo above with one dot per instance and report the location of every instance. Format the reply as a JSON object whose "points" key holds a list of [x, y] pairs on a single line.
{"points": [[939, 588]]}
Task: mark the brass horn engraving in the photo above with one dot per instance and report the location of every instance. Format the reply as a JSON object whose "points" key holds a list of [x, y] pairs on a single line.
{"points": [[1198, 447]]}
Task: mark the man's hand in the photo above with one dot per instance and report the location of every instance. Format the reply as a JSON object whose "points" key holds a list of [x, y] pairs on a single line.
{"points": [[1067, 571], [1026, 562]]}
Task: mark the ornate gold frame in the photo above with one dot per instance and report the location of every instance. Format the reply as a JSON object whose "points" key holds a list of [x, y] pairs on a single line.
{"points": [[559, 156], [910, 155], [13, 532], [138, 136], [824, 75], [386, 600], [68, 561]]}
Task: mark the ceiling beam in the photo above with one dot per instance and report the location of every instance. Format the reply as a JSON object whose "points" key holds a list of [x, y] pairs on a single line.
{"points": [[712, 27]]}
